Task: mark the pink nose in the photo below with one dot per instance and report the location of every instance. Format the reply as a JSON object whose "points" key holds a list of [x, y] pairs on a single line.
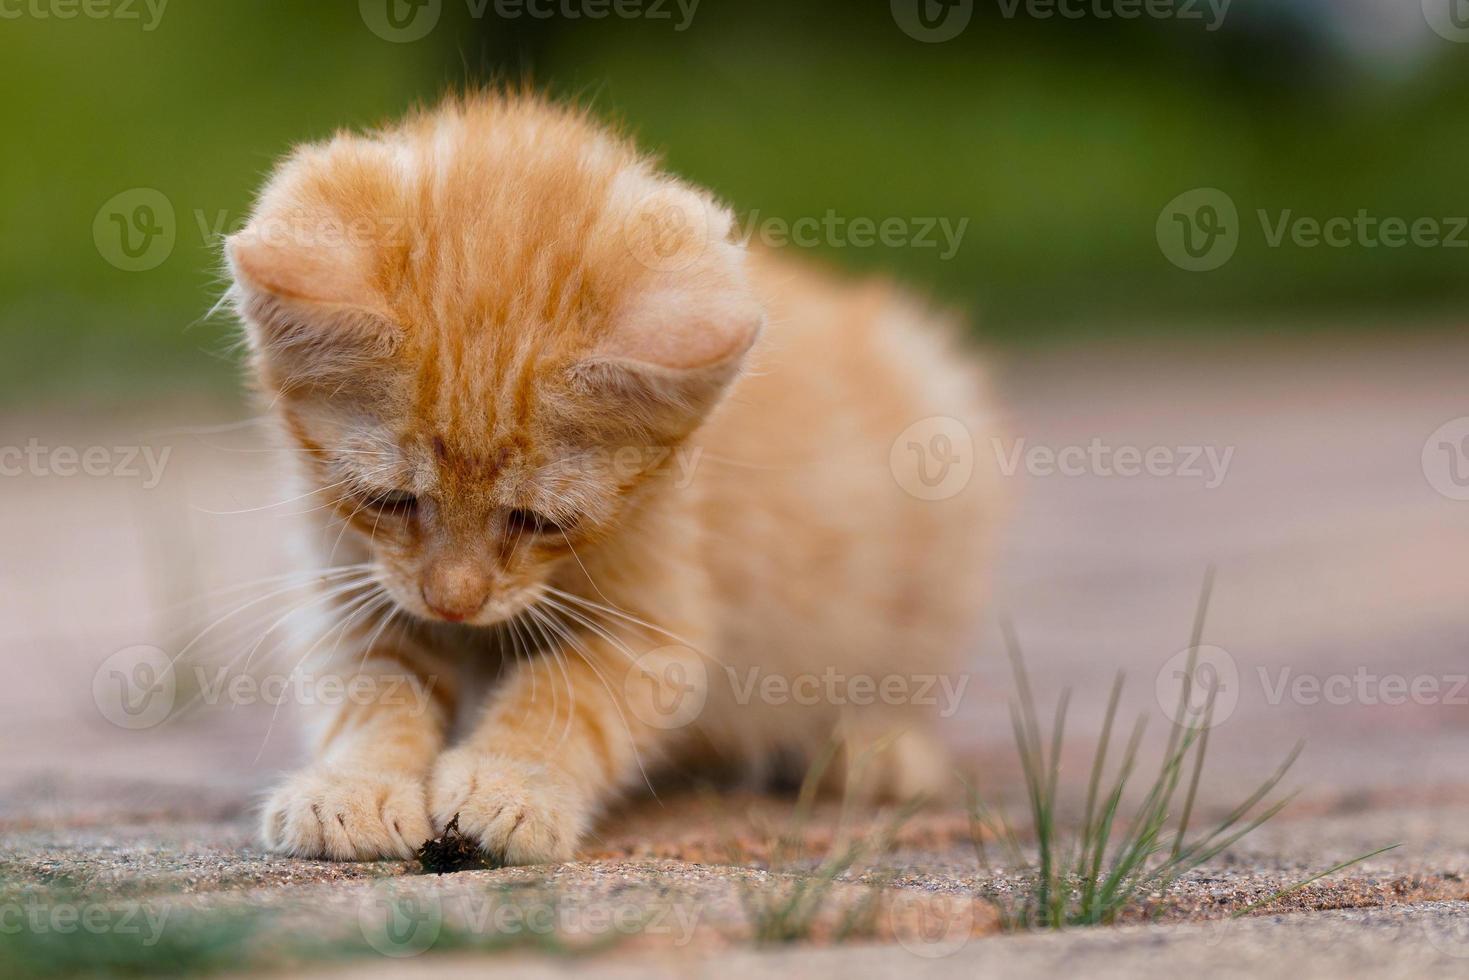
{"points": [[454, 591]]}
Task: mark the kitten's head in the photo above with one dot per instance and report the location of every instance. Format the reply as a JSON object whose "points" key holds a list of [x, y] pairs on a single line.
{"points": [[481, 328]]}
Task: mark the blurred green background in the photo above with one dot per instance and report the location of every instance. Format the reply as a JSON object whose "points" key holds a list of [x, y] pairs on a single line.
{"points": [[1060, 140]]}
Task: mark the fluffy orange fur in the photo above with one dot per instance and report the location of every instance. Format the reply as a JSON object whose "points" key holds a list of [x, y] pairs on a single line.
{"points": [[558, 424]]}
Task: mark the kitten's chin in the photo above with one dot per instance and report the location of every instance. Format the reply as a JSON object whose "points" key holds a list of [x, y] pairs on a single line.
{"points": [[493, 613]]}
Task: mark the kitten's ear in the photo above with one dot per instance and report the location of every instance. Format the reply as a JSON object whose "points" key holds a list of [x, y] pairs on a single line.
{"points": [[668, 358], [311, 311], [678, 340]]}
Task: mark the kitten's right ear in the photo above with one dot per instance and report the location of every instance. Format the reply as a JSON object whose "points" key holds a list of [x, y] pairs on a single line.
{"points": [[311, 312]]}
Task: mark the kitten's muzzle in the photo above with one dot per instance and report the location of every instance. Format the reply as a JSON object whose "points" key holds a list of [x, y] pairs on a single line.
{"points": [[455, 591]]}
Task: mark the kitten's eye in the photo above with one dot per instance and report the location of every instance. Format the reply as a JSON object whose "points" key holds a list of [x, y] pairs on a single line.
{"points": [[521, 521], [399, 502]]}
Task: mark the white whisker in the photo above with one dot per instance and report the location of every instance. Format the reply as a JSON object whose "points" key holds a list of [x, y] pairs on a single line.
{"points": [[590, 660]]}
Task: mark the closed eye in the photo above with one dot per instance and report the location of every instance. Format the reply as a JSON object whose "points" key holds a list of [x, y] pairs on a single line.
{"points": [[399, 502], [521, 521]]}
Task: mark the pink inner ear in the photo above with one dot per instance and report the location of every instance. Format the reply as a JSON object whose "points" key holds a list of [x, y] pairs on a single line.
{"points": [[324, 272], [685, 330]]}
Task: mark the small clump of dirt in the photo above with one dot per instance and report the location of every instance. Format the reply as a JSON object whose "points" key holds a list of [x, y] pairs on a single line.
{"points": [[452, 851]]}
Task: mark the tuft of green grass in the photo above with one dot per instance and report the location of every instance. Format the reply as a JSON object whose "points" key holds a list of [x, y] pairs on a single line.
{"points": [[1114, 864]]}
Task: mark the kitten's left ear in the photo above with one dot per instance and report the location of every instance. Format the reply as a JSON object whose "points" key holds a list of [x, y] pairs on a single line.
{"points": [[669, 356]]}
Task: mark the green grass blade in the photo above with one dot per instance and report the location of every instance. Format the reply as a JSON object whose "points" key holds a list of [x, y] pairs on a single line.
{"points": [[1108, 819], [977, 823], [1312, 880], [1089, 878], [1239, 812], [1193, 785], [1196, 637], [1099, 763]]}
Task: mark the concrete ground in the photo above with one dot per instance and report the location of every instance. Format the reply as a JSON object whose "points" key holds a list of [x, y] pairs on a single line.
{"points": [[1338, 616]]}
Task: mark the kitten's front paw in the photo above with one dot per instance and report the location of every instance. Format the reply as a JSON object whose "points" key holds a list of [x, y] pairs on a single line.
{"points": [[346, 816], [521, 813]]}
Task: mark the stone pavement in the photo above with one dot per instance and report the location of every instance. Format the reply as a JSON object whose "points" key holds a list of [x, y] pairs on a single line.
{"points": [[1339, 617]]}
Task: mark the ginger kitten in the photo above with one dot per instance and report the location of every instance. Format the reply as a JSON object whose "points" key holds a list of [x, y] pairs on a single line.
{"points": [[561, 431]]}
